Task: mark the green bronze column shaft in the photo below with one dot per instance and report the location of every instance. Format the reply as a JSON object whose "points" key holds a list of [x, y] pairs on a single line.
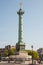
{"points": [[20, 37]]}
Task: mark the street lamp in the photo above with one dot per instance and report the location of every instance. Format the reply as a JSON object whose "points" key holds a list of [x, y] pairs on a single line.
{"points": [[32, 54]]}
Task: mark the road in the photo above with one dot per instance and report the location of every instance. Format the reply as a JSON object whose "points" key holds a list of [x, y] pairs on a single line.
{"points": [[15, 64], [12, 63]]}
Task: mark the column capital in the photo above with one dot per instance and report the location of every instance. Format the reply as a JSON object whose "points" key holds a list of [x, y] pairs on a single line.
{"points": [[20, 12]]}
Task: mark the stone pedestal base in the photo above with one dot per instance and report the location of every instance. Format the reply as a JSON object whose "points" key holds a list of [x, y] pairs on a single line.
{"points": [[22, 57]]}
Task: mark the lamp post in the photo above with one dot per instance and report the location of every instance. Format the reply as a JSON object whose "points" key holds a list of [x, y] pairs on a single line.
{"points": [[40, 57], [32, 54]]}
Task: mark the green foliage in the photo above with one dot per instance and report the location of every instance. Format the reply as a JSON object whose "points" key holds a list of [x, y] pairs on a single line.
{"points": [[29, 52], [33, 53], [11, 51], [6, 53]]}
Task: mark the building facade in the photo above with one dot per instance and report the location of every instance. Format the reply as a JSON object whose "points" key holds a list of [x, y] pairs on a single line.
{"points": [[40, 52]]}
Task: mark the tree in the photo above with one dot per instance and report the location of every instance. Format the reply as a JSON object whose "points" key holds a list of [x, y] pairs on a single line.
{"points": [[6, 53], [34, 53], [11, 51]]}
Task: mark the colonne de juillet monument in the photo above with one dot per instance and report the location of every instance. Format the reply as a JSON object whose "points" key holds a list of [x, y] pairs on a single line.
{"points": [[20, 53]]}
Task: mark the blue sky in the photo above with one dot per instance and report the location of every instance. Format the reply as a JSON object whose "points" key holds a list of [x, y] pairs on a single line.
{"points": [[32, 22]]}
